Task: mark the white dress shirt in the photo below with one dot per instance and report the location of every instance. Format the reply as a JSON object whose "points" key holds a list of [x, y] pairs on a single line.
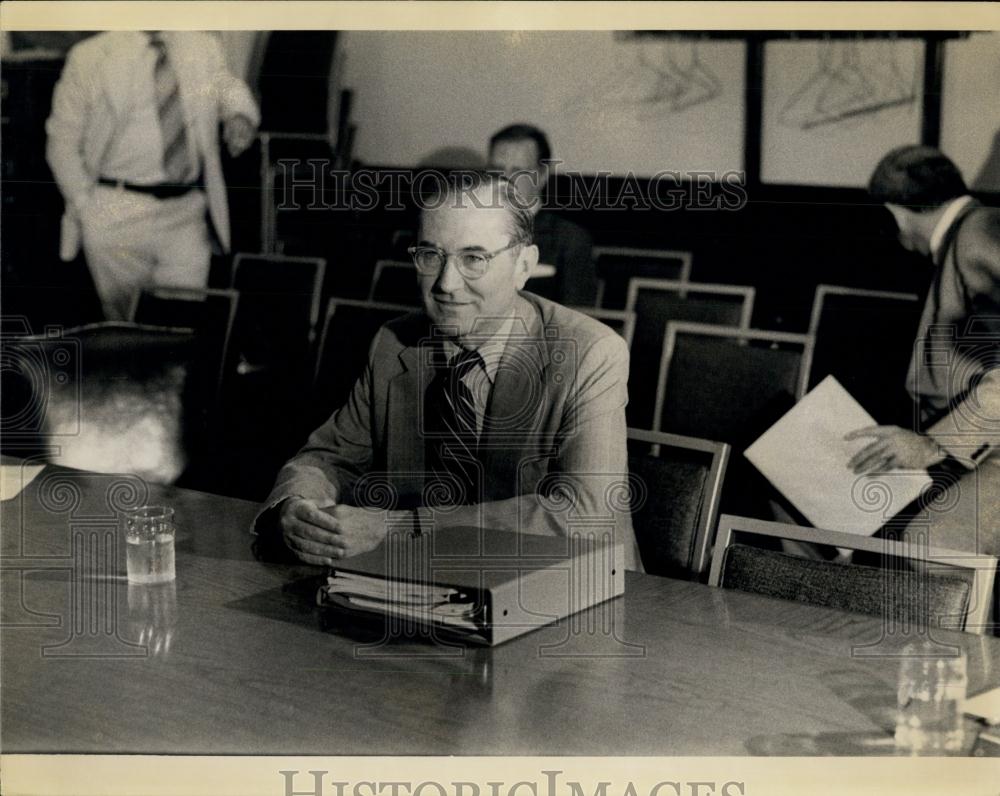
{"points": [[135, 153], [952, 209]]}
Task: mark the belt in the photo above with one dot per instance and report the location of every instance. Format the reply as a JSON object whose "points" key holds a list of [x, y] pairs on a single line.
{"points": [[160, 191]]}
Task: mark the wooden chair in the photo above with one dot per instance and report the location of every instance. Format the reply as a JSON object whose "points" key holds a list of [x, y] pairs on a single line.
{"points": [[675, 500], [864, 338], [348, 330], [913, 585], [727, 383], [621, 321], [616, 265], [656, 302], [395, 282]]}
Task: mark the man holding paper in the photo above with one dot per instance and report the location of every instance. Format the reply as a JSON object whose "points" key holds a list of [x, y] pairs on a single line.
{"points": [[491, 407], [954, 374]]}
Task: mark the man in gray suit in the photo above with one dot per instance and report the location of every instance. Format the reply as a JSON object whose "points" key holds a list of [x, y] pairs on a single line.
{"points": [[491, 407]]}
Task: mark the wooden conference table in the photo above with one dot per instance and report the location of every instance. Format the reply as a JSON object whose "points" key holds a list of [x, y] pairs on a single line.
{"points": [[232, 659]]}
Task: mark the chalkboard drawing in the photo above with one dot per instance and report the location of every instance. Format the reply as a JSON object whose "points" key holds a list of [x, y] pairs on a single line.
{"points": [[651, 81], [845, 86]]}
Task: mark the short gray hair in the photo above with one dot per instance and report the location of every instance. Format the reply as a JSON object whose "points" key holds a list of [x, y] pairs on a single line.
{"points": [[461, 184]]}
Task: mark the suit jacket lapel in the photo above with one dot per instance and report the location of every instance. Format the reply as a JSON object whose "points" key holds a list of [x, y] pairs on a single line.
{"points": [[510, 423], [405, 442]]}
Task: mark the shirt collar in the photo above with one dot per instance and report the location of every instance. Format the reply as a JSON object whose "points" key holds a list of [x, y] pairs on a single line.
{"points": [[945, 222], [491, 349]]}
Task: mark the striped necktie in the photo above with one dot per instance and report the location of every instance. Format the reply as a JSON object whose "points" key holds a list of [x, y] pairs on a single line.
{"points": [[177, 162], [450, 419]]}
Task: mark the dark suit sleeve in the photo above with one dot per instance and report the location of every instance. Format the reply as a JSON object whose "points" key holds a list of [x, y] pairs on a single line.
{"points": [[970, 432]]}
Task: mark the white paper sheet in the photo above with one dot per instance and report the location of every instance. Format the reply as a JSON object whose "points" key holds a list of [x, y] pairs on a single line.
{"points": [[985, 705], [804, 455], [15, 477]]}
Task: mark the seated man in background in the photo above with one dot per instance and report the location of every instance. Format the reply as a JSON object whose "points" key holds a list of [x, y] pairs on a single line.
{"points": [[565, 271], [954, 374], [491, 407]]}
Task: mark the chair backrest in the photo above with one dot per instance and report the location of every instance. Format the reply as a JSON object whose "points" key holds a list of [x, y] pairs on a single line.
{"points": [[676, 500], [115, 397], [656, 302], [621, 321], [279, 307], [210, 314], [914, 584], [348, 330], [395, 282], [845, 322], [616, 265], [727, 384]]}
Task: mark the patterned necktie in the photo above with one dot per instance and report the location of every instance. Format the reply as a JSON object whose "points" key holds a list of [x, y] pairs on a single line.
{"points": [[450, 419], [176, 155]]}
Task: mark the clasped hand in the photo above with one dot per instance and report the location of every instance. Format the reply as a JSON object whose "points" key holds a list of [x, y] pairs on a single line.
{"points": [[324, 535], [893, 448]]}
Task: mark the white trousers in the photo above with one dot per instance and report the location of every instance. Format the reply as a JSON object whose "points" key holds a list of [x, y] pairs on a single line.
{"points": [[133, 240]]}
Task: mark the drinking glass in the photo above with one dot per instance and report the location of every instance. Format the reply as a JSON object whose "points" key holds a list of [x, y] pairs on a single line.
{"points": [[149, 544], [931, 699]]}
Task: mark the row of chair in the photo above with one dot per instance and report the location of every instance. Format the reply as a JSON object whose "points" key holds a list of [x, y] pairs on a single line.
{"points": [[652, 290], [678, 485], [677, 324], [681, 326], [676, 490], [714, 377], [647, 304]]}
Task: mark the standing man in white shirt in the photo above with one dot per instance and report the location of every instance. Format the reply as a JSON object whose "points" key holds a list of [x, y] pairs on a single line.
{"points": [[133, 143]]}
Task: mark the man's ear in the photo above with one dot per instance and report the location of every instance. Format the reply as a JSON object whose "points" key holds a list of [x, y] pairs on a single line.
{"points": [[543, 173], [526, 262]]}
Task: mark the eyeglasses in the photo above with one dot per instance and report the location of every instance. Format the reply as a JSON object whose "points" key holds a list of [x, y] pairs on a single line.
{"points": [[430, 260]]}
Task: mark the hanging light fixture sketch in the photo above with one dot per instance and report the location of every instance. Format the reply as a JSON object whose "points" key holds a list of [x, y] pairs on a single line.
{"points": [[847, 84], [649, 82]]}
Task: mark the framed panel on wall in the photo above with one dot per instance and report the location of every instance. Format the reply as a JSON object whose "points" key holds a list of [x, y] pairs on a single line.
{"points": [[833, 107], [613, 102], [970, 108]]}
